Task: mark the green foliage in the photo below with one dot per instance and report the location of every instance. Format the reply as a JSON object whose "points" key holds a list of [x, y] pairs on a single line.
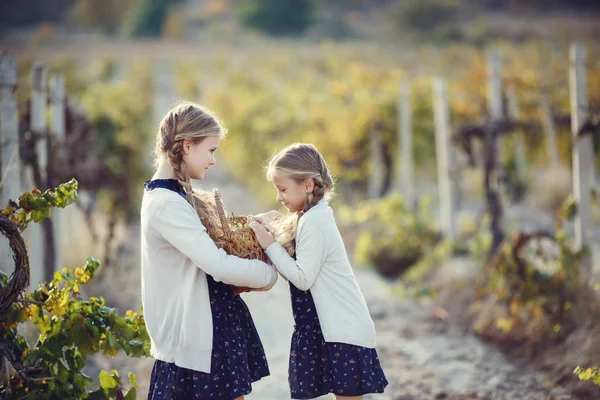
{"points": [[334, 98], [588, 374], [145, 18], [106, 15], [103, 69], [432, 258], [113, 120], [278, 17], [528, 289], [268, 109], [70, 327], [37, 206], [119, 114], [187, 79], [478, 246], [393, 236], [424, 16]]}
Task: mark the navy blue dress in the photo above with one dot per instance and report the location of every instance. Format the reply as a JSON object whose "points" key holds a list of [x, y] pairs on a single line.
{"points": [[318, 367], [238, 357]]}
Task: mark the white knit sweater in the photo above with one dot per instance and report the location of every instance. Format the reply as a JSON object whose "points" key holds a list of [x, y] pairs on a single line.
{"points": [[177, 253], [322, 266]]}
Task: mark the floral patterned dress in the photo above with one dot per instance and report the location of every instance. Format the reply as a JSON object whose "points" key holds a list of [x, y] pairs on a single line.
{"points": [[318, 367], [238, 357]]}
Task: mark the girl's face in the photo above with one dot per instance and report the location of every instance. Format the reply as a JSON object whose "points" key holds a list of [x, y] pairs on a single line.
{"points": [[291, 193], [199, 157]]}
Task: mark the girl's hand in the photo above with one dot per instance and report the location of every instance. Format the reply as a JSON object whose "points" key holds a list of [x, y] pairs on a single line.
{"points": [[267, 217], [261, 222], [237, 290], [273, 214], [265, 239]]}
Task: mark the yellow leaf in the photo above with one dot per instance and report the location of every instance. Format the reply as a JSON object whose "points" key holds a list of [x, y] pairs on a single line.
{"points": [[61, 305], [505, 324], [585, 375]]}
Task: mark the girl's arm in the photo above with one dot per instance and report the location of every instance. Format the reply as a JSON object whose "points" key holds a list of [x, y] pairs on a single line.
{"points": [[270, 285], [177, 223], [309, 255]]}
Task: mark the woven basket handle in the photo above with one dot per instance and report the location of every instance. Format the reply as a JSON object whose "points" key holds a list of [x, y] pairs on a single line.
{"points": [[221, 212]]}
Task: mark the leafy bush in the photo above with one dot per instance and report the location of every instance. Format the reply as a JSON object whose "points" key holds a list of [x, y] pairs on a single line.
{"points": [[70, 327], [393, 237], [528, 290], [145, 18], [278, 17]]}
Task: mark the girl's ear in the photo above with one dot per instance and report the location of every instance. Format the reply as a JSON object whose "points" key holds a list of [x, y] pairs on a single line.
{"points": [[185, 146], [309, 185]]}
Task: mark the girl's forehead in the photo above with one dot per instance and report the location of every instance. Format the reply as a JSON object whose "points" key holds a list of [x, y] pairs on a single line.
{"points": [[212, 140], [282, 180]]}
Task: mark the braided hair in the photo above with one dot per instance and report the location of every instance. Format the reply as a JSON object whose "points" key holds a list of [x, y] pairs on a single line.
{"points": [[300, 161], [185, 120]]}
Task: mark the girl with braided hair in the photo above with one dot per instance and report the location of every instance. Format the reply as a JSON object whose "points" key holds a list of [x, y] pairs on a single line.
{"points": [[333, 344], [202, 335]]}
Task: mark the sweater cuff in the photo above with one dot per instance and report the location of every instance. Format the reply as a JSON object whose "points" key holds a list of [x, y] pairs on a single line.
{"points": [[271, 248], [274, 252]]}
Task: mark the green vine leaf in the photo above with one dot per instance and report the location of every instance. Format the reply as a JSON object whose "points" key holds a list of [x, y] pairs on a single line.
{"points": [[107, 380], [36, 206]]}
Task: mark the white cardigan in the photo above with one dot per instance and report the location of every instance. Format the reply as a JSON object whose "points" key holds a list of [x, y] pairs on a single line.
{"points": [[322, 266], [177, 253]]}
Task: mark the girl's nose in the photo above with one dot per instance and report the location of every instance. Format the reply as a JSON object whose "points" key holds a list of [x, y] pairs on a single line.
{"points": [[213, 160], [279, 198]]}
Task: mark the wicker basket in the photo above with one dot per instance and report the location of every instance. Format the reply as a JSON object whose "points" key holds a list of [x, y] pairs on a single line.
{"points": [[238, 238]]}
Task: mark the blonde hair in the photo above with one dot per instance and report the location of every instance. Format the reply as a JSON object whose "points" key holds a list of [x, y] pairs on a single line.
{"points": [[185, 120], [300, 161]]}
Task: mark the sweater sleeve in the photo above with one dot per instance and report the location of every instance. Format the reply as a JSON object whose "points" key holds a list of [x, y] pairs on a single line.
{"points": [[310, 256], [177, 223]]}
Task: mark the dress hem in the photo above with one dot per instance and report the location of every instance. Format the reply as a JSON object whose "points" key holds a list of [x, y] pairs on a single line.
{"points": [[308, 397]]}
